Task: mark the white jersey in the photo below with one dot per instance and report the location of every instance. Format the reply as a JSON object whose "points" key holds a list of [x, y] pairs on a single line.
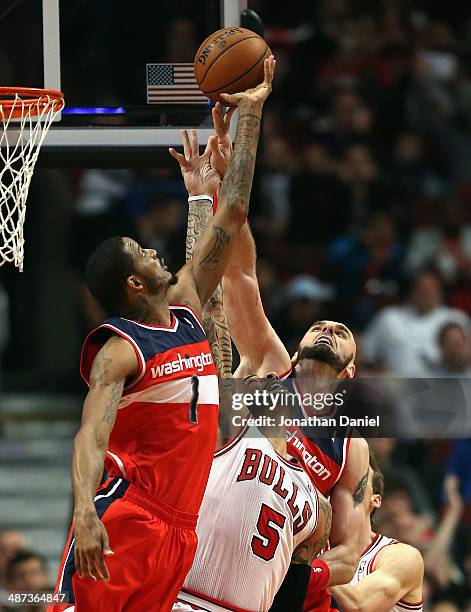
{"points": [[256, 510], [366, 567]]}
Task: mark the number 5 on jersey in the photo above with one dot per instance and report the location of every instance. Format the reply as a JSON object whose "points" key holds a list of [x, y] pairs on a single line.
{"points": [[268, 526]]}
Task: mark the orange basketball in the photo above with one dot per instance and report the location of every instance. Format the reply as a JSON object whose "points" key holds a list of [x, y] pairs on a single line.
{"points": [[229, 61]]}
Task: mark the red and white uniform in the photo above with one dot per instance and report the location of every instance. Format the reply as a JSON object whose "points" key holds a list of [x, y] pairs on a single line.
{"points": [[155, 442], [158, 462], [367, 565], [257, 509]]}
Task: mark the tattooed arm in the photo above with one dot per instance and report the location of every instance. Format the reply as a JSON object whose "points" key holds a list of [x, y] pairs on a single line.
{"points": [[348, 515], [214, 248], [200, 214], [115, 362], [309, 549]]}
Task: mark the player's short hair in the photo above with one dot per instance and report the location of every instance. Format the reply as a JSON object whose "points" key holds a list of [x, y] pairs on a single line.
{"points": [[378, 478], [22, 557], [106, 272]]}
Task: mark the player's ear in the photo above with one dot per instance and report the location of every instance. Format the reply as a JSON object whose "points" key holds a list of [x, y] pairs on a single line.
{"points": [[350, 370], [134, 283], [376, 501]]}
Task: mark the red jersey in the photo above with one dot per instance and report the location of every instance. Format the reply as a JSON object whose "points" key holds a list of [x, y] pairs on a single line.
{"points": [[324, 460], [165, 431]]}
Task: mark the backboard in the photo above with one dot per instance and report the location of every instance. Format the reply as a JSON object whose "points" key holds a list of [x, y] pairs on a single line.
{"points": [[101, 54]]}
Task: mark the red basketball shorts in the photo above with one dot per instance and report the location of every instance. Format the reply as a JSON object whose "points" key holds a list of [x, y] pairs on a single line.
{"points": [[153, 546]]}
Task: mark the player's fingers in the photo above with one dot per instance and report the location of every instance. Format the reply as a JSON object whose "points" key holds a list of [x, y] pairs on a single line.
{"points": [[105, 543], [207, 149], [228, 117], [178, 156], [217, 118], [269, 69], [78, 563], [186, 144], [194, 143], [101, 567], [213, 147], [89, 564], [230, 99], [85, 565]]}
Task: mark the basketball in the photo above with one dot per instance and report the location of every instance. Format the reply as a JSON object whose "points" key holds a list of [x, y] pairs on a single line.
{"points": [[230, 60]]}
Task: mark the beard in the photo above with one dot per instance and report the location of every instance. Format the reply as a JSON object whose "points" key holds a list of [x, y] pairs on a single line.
{"points": [[324, 354], [157, 286]]}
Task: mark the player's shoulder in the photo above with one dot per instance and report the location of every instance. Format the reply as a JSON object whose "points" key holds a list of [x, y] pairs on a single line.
{"points": [[356, 462], [402, 557]]}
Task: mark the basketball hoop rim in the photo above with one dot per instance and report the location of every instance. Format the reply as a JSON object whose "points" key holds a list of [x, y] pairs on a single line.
{"points": [[29, 100]]}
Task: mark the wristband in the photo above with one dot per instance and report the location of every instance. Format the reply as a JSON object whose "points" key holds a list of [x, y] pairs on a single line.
{"points": [[200, 197], [320, 574]]}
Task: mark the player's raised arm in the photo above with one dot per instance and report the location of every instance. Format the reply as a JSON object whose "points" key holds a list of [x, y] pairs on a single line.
{"points": [[113, 364], [242, 301], [398, 571], [216, 244], [245, 314], [200, 214]]}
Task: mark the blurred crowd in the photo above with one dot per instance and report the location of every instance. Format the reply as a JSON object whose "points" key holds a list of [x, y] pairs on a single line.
{"points": [[361, 211]]}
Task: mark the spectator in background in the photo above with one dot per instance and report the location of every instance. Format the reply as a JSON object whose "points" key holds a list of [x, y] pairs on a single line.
{"points": [[11, 543], [445, 246], [440, 565], [366, 269], [366, 195], [395, 470], [459, 466], [274, 188], [305, 299], [348, 123], [161, 226], [455, 355], [27, 572], [404, 339]]}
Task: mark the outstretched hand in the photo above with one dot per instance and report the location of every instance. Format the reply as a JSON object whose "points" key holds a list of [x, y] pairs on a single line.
{"points": [[258, 94], [221, 147], [198, 174]]}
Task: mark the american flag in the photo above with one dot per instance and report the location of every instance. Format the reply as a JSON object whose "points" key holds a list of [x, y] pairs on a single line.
{"points": [[173, 84]]}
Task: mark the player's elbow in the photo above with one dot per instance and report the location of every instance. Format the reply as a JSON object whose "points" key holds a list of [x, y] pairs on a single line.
{"points": [[91, 438]]}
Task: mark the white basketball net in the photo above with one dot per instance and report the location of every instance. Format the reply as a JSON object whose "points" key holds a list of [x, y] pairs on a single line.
{"points": [[21, 138]]}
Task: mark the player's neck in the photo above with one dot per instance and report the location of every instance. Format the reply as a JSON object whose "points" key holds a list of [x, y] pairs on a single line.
{"points": [[279, 444], [367, 536], [153, 312], [310, 368]]}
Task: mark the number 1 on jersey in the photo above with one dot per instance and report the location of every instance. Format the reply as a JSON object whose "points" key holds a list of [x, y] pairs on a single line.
{"points": [[195, 385]]}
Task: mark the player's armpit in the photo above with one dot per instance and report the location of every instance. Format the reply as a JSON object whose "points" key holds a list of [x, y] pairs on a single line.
{"points": [[398, 573], [308, 550]]}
